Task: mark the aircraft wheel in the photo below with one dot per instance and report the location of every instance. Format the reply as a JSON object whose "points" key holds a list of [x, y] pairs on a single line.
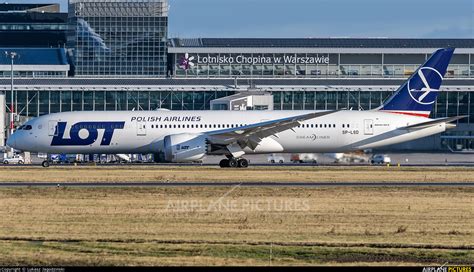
{"points": [[45, 164], [233, 163], [243, 163], [224, 163]]}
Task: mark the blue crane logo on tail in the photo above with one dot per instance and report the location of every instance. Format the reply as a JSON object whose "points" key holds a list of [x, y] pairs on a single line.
{"points": [[419, 88]]}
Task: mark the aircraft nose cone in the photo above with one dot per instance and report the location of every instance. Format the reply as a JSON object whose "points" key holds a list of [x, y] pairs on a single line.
{"points": [[11, 141]]}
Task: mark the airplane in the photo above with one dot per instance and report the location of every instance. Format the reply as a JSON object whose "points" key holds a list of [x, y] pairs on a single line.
{"points": [[187, 136]]}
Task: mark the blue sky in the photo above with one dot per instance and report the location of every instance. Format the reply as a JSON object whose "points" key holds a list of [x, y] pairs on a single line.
{"points": [[319, 18]]}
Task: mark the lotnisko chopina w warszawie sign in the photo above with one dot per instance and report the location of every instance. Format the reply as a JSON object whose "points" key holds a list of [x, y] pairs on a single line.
{"points": [[254, 60]]}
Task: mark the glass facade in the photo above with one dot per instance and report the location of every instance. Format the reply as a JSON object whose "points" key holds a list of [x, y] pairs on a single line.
{"points": [[119, 37], [35, 103], [33, 29], [450, 103], [40, 102], [307, 65], [30, 74]]}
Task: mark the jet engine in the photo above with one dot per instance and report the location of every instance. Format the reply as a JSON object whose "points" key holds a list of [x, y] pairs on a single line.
{"points": [[184, 147]]}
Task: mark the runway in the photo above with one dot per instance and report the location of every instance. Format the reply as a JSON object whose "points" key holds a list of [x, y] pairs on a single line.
{"points": [[241, 184]]}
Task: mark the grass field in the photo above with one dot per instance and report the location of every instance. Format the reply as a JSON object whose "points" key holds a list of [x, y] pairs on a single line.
{"points": [[235, 225], [196, 173]]}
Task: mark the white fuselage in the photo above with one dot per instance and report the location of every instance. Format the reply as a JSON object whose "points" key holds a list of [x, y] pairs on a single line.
{"points": [[144, 131]]}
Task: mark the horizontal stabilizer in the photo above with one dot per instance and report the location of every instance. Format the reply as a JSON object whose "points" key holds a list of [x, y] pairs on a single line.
{"points": [[434, 122]]}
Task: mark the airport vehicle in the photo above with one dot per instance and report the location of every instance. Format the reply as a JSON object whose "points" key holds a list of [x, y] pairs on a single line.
{"points": [[123, 158], [63, 158], [380, 159], [304, 158], [42, 155], [187, 136], [275, 158], [16, 159], [349, 157]]}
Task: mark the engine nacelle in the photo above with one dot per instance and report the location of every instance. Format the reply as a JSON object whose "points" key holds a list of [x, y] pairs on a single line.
{"points": [[184, 147]]}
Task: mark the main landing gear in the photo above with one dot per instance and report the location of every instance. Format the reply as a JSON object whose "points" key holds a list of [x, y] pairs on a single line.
{"points": [[234, 163]]}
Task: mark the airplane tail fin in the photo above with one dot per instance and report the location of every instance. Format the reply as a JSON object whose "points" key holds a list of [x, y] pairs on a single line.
{"points": [[418, 94]]}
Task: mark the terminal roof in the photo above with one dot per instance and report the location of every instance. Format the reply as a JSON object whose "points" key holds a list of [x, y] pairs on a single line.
{"points": [[322, 42]]}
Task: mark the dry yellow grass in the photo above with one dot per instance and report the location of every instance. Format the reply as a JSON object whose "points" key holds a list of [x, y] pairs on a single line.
{"points": [[196, 173], [195, 226]]}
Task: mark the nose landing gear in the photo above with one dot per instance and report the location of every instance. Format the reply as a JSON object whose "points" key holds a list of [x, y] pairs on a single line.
{"points": [[45, 163], [234, 163]]}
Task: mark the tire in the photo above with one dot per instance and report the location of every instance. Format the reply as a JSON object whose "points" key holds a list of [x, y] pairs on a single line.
{"points": [[5, 162], [233, 163], [224, 163], [272, 161], [281, 161], [45, 164], [243, 163], [21, 162]]}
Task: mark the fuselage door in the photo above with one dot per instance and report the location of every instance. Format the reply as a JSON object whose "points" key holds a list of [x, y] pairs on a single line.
{"points": [[368, 126], [141, 128], [53, 128]]}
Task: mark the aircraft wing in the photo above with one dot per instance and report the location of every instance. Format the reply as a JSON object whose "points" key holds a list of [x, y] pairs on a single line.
{"points": [[251, 135], [433, 122]]}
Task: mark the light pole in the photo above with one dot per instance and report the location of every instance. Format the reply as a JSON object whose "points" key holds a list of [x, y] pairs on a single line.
{"points": [[12, 56]]}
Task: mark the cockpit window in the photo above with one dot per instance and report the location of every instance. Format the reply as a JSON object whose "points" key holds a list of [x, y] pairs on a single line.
{"points": [[27, 127], [20, 127]]}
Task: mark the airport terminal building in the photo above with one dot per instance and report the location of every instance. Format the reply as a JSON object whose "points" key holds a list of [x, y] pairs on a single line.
{"points": [[113, 60]]}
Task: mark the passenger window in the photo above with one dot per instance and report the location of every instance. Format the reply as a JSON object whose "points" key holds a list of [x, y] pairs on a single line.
{"points": [[347, 125], [325, 125], [342, 125]]}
